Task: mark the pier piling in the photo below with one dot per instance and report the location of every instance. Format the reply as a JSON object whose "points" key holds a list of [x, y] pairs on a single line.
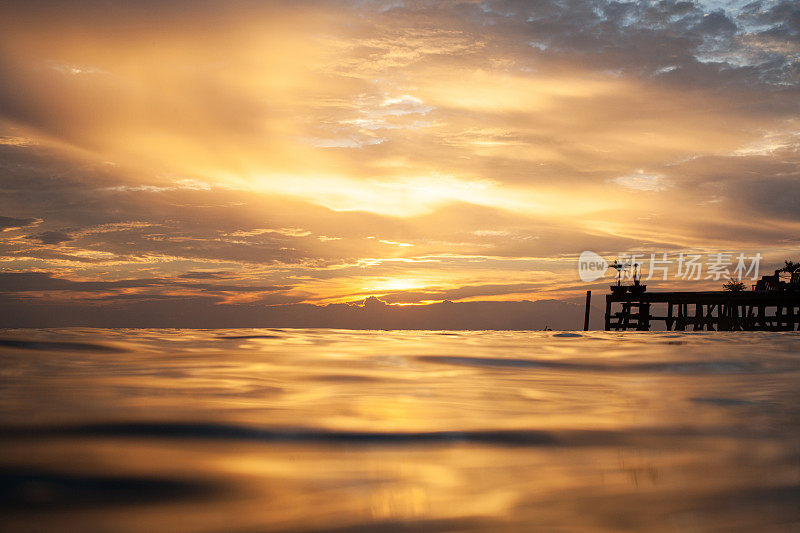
{"points": [[586, 313], [712, 311]]}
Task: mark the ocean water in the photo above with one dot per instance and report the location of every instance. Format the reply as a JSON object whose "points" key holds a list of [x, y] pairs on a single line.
{"points": [[323, 430]]}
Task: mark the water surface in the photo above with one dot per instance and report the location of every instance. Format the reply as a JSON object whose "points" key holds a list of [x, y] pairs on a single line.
{"points": [[322, 430]]}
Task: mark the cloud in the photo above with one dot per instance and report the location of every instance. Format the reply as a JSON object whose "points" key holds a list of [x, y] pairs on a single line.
{"points": [[775, 197], [50, 237], [461, 293], [24, 282], [413, 150], [204, 312], [642, 182], [206, 275], [16, 223]]}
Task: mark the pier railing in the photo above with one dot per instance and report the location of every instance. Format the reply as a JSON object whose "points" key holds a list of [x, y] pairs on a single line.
{"points": [[710, 311]]}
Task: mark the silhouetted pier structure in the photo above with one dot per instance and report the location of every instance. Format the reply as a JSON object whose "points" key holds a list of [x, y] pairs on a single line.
{"points": [[756, 310]]}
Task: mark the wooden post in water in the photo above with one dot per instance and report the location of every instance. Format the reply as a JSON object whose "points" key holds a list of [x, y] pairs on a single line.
{"points": [[586, 315]]}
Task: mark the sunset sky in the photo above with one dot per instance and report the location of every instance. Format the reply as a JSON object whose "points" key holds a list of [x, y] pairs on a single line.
{"points": [[319, 152]]}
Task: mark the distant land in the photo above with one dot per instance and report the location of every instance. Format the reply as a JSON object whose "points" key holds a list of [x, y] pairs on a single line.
{"points": [[372, 313]]}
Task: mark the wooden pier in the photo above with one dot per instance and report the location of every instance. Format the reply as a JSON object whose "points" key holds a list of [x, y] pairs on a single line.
{"points": [[710, 311]]}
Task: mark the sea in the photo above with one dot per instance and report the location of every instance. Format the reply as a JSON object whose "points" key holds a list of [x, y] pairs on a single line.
{"points": [[299, 430]]}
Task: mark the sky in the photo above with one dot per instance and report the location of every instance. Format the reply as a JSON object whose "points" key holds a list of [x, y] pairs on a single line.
{"points": [[262, 153]]}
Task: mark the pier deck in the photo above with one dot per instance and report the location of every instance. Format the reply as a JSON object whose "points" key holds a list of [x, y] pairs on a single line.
{"points": [[710, 311]]}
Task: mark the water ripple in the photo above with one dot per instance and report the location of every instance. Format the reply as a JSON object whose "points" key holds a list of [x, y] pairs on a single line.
{"points": [[676, 367], [61, 346], [36, 488]]}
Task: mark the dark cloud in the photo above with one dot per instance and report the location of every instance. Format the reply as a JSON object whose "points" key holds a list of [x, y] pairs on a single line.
{"points": [[463, 292], [206, 275], [770, 197], [19, 282], [11, 282], [10, 222], [645, 37], [50, 237]]}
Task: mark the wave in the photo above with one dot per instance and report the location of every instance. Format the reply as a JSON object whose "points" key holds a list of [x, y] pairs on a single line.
{"points": [[676, 367], [36, 488], [209, 431], [245, 337], [60, 346]]}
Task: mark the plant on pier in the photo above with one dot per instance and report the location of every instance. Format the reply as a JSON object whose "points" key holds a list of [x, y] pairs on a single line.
{"points": [[734, 286], [791, 266]]}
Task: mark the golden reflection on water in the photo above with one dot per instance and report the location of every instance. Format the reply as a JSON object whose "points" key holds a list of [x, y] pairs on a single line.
{"points": [[309, 430]]}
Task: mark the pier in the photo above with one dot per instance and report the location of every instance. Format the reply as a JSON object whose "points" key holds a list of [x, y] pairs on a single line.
{"points": [[756, 310]]}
